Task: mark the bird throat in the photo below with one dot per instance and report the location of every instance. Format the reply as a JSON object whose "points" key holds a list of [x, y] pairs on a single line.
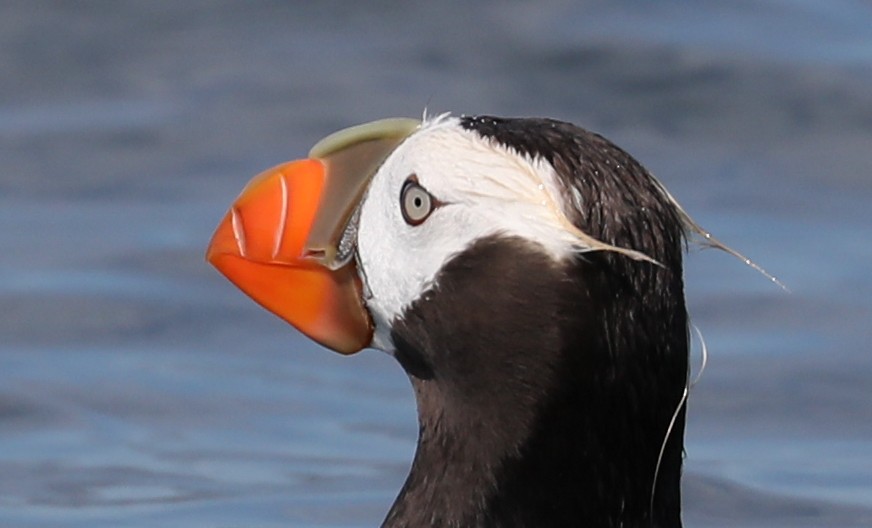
{"points": [[531, 411]]}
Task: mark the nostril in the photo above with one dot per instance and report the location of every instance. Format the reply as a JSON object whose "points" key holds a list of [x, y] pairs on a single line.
{"points": [[238, 230], [315, 254]]}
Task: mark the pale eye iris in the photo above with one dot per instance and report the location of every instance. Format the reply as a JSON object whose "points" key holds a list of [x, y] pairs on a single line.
{"points": [[415, 202]]}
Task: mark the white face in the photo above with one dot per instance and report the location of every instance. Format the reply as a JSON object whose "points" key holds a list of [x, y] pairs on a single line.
{"points": [[483, 188]]}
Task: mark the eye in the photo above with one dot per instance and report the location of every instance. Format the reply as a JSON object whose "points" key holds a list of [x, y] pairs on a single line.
{"points": [[415, 202]]}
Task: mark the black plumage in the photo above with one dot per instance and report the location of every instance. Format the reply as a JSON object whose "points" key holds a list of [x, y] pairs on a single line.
{"points": [[546, 389]]}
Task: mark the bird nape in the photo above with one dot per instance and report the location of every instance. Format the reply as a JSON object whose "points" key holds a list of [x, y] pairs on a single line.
{"points": [[527, 276]]}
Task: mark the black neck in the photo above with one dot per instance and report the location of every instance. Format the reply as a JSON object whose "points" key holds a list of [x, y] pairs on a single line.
{"points": [[548, 409]]}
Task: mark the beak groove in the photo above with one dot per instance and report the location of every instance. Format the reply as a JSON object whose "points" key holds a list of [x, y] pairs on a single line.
{"points": [[283, 219], [238, 231]]}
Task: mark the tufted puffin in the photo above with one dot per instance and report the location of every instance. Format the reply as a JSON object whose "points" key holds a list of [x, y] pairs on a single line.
{"points": [[527, 276]]}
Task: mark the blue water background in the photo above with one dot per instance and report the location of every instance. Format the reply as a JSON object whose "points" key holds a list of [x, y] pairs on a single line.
{"points": [[140, 389]]}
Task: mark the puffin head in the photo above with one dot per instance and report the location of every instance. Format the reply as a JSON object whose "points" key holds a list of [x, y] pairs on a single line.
{"points": [[525, 273]]}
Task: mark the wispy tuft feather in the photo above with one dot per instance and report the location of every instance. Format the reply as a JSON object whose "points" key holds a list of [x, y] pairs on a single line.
{"points": [[708, 240]]}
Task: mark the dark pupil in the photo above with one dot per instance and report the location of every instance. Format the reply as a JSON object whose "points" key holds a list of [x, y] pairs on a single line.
{"points": [[418, 202]]}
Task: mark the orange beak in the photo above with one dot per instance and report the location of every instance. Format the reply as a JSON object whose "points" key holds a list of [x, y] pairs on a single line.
{"points": [[284, 241], [260, 247]]}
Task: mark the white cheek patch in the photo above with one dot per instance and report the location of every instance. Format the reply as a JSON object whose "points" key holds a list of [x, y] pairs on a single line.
{"points": [[486, 190]]}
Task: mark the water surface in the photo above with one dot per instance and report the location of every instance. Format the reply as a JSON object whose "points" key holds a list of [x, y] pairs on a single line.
{"points": [[140, 389]]}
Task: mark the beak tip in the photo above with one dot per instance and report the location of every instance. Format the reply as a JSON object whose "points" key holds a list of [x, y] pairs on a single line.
{"points": [[223, 242]]}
